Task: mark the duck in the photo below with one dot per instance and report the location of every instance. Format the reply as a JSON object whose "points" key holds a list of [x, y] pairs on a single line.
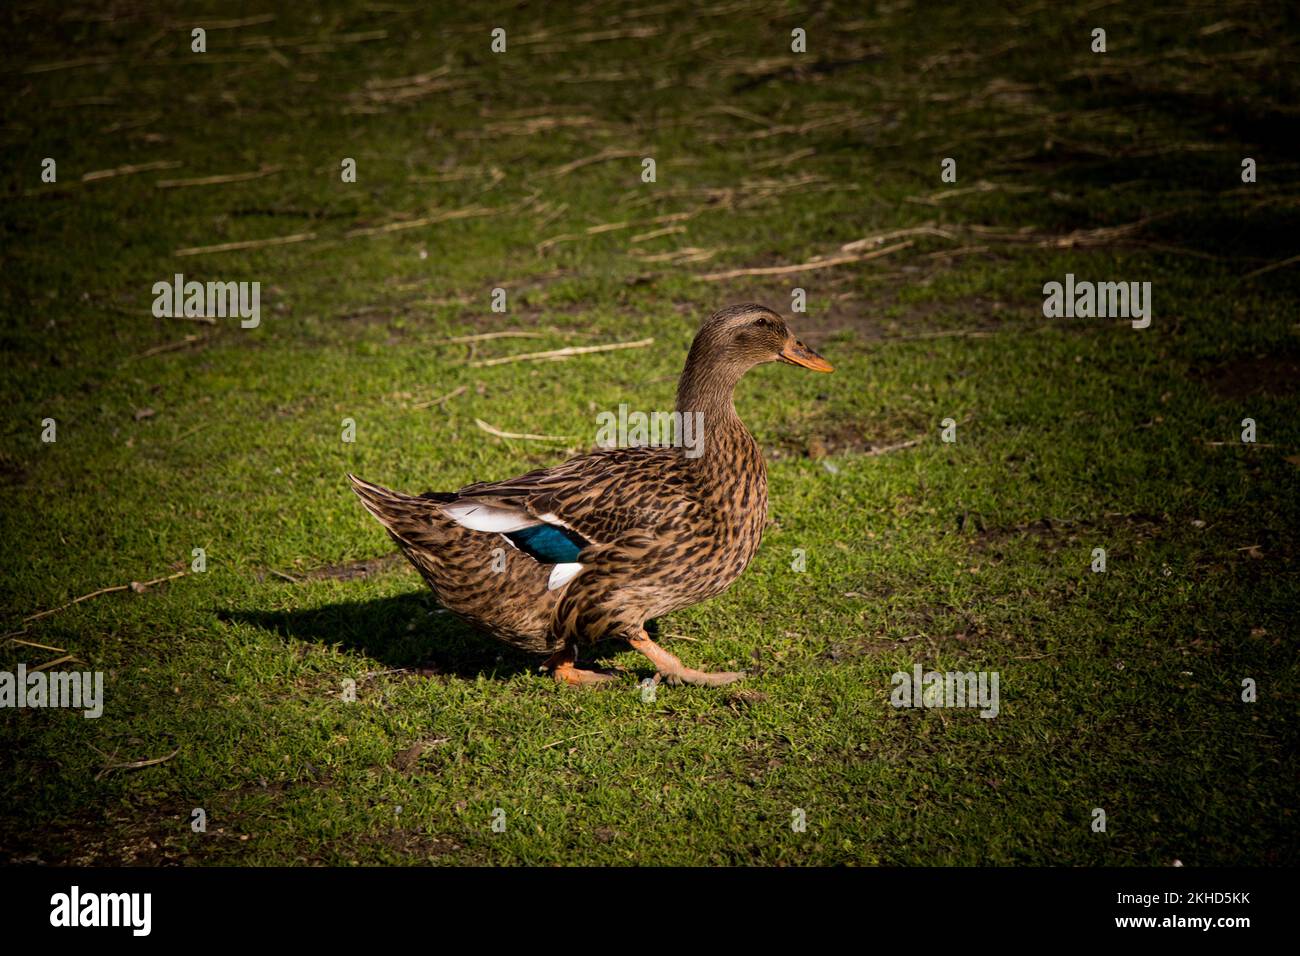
{"points": [[553, 561]]}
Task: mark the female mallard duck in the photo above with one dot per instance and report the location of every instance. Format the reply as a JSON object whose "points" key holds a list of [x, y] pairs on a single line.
{"points": [[609, 540]]}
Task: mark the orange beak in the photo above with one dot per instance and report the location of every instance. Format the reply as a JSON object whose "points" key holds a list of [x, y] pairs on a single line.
{"points": [[796, 353]]}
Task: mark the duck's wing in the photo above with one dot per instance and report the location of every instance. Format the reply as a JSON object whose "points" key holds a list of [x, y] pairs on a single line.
{"points": [[553, 514]]}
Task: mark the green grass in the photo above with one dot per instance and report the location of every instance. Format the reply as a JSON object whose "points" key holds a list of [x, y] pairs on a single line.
{"points": [[1120, 691]]}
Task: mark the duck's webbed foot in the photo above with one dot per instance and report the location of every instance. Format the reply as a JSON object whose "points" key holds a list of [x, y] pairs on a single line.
{"points": [[674, 671], [562, 666]]}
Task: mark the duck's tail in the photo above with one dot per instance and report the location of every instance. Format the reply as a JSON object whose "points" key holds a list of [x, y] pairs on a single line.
{"points": [[465, 568], [407, 517]]}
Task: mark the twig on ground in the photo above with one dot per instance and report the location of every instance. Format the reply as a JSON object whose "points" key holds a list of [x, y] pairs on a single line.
{"points": [[215, 180], [184, 435], [520, 435], [135, 764], [565, 740], [683, 255], [983, 186], [802, 266], [222, 24], [171, 346], [954, 253], [43, 647], [1270, 268], [70, 64], [137, 586], [485, 336], [98, 174], [897, 446], [787, 159], [555, 240], [438, 401], [245, 244], [941, 334], [925, 229], [656, 233], [466, 213], [55, 663], [556, 354], [603, 156]]}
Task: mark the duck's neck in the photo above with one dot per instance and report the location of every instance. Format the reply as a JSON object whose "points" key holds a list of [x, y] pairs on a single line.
{"points": [[706, 391]]}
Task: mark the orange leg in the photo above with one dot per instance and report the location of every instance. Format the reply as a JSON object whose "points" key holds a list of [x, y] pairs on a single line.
{"points": [[674, 671], [562, 668]]}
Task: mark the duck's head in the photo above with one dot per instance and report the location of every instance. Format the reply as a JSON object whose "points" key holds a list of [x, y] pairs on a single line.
{"points": [[743, 336]]}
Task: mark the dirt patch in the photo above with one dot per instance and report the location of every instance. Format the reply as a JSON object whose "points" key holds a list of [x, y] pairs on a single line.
{"points": [[147, 838], [933, 628], [407, 759], [839, 439], [414, 843], [1258, 375], [1054, 534], [835, 438], [12, 472]]}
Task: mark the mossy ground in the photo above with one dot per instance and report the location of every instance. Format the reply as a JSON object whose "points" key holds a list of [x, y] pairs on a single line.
{"points": [[1120, 691]]}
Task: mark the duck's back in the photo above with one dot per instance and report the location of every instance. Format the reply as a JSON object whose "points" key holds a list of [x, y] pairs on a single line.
{"points": [[658, 530]]}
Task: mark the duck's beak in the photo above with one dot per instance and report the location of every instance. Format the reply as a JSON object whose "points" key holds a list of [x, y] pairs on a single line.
{"points": [[796, 353]]}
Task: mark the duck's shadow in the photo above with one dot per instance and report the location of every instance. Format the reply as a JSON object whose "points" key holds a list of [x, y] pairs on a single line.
{"points": [[408, 631]]}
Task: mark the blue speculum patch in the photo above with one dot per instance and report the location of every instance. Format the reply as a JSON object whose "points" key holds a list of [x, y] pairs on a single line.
{"points": [[547, 543]]}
